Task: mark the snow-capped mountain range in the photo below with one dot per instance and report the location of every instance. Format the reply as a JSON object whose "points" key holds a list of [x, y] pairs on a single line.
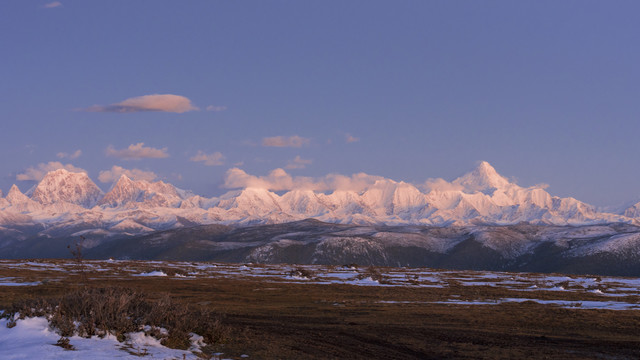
{"points": [[63, 199]]}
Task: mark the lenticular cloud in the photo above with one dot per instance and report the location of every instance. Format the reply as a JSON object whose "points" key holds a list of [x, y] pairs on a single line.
{"points": [[155, 102]]}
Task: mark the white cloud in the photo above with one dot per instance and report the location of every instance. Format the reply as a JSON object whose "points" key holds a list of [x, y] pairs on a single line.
{"points": [[155, 102], [39, 171], [216, 108], [52, 5], [115, 172], [280, 180], [298, 163], [440, 184], [351, 139], [137, 151], [285, 141], [214, 159], [74, 155]]}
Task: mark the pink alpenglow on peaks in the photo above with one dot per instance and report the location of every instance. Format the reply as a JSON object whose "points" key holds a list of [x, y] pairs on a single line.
{"points": [[482, 178], [482, 196], [64, 186]]}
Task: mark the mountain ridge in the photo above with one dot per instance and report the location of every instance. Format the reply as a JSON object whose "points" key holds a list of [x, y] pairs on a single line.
{"points": [[481, 196]]}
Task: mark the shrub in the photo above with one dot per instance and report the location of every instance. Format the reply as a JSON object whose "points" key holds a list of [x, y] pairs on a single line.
{"points": [[301, 272], [118, 311], [373, 273], [64, 343]]}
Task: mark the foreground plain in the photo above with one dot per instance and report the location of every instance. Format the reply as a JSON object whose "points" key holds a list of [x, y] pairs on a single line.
{"points": [[320, 312]]}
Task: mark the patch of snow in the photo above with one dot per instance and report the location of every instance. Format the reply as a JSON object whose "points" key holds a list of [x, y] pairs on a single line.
{"points": [[8, 282], [32, 338], [152, 273]]}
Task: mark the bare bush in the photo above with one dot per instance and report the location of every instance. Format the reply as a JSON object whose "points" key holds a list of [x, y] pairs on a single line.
{"points": [[301, 272], [64, 343], [374, 274], [118, 311]]}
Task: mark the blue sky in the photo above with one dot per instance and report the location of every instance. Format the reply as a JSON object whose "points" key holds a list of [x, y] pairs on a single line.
{"points": [[546, 91]]}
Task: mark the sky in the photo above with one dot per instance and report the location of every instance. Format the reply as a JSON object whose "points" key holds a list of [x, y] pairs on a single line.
{"points": [[189, 91]]}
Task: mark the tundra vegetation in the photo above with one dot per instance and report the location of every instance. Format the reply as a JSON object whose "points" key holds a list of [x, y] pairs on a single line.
{"points": [[319, 312]]}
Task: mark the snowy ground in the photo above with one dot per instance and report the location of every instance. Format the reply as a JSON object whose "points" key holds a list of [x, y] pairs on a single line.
{"points": [[32, 338], [318, 274]]}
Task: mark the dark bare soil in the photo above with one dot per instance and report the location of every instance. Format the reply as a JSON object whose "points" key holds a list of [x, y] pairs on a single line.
{"points": [[270, 320]]}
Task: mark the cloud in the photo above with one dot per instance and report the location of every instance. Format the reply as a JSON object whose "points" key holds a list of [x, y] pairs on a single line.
{"points": [[440, 184], [137, 151], [280, 180], [74, 155], [155, 102], [214, 159], [351, 139], [542, 186], [298, 163], [284, 141], [39, 171], [52, 5], [113, 174], [216, 108]]}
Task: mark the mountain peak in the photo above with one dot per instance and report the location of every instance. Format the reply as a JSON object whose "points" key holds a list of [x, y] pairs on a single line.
{"points": [[150, 194], [15, 195], [124, 178], [484, 177], [63, 185], [485, 167]]}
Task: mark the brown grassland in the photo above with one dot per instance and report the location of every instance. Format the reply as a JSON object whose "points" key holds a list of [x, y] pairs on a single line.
{"points": [[296, 320]]}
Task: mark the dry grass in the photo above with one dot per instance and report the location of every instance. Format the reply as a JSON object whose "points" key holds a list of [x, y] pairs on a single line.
{"points": [[301, 320], [116, 310]]}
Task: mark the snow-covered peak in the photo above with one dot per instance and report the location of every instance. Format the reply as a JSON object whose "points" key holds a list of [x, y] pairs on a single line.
{"points": [[15, 196], [480, 196], [64, 186], [150, 194], [483, 178], [123, 180], [251, 201], [389, 197], [303, 201], [18, 202]]}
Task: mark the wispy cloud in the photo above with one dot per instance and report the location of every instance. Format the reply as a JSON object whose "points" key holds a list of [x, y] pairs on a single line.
{"points": [[351, 139], [285, 141], [74, 155], [52, 5], [39, 171], [216, 108], [113, 174], [298, 163], [155, 102], [137, 151], [280, 180], [214, 159]]}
